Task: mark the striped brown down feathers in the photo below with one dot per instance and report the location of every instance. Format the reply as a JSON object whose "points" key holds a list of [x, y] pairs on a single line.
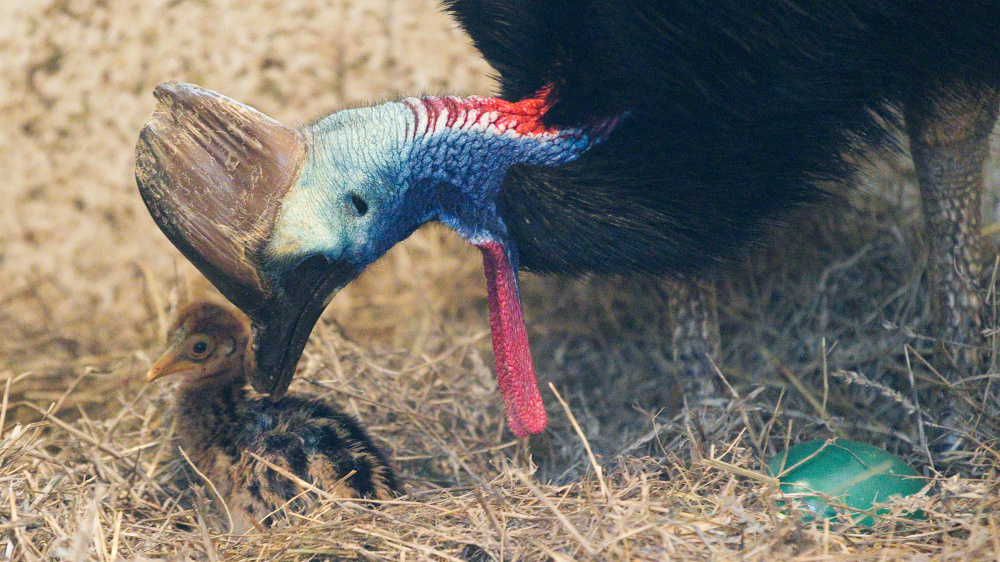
{"points": [[222, 424]]}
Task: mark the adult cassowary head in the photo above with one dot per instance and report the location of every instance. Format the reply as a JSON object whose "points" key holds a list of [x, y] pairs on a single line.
{"points": [[280, 219]]}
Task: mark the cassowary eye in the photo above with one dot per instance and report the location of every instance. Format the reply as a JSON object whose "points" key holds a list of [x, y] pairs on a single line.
{"points": [[360, 206]]}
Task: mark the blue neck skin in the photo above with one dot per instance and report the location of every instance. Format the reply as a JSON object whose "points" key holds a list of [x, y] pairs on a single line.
{"points": [[373, 175]]}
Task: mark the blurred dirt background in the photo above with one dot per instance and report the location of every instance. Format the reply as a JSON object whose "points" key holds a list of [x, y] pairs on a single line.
{"points": [[824, 326]]}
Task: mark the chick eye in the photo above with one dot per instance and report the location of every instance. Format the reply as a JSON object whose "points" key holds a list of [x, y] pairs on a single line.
{"points": [[200, 348]]}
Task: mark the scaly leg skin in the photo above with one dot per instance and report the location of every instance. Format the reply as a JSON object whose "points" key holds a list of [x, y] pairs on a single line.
{"points": [[949, 141], [694, 335]]}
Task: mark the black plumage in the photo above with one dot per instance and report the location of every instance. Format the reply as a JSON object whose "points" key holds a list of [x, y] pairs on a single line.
{"points": [[736, 111], [221, 425]]}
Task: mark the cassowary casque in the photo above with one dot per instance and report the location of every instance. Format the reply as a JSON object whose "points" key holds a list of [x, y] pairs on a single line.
{"points": [[636, 136]]}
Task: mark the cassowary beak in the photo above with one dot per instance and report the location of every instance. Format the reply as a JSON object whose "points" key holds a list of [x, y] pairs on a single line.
{"points": [[213, 173], [282, 324]]}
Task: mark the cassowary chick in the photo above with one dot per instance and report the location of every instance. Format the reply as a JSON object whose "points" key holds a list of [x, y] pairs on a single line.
{"points": [[220, 422]]}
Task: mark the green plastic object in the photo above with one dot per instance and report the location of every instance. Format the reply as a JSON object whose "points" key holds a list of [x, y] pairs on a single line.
{"points": [[846, 473]]}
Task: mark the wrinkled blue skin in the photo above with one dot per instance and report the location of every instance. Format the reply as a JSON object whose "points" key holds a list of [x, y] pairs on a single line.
{"points": [[369, 156], [360, 152]]}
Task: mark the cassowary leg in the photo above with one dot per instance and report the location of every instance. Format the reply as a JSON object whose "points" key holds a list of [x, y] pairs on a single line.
{"points": [[949, 141], [694, 334]]}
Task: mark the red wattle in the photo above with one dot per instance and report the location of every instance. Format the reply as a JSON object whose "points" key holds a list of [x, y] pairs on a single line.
{"points": [[515, 372]]}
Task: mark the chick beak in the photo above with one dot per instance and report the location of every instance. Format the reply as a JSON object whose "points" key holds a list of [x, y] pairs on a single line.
{"points": [[168, 364]]}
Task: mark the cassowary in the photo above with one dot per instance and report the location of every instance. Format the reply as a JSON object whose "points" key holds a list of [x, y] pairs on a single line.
{"points": [[226, 430], [629, 136]]}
